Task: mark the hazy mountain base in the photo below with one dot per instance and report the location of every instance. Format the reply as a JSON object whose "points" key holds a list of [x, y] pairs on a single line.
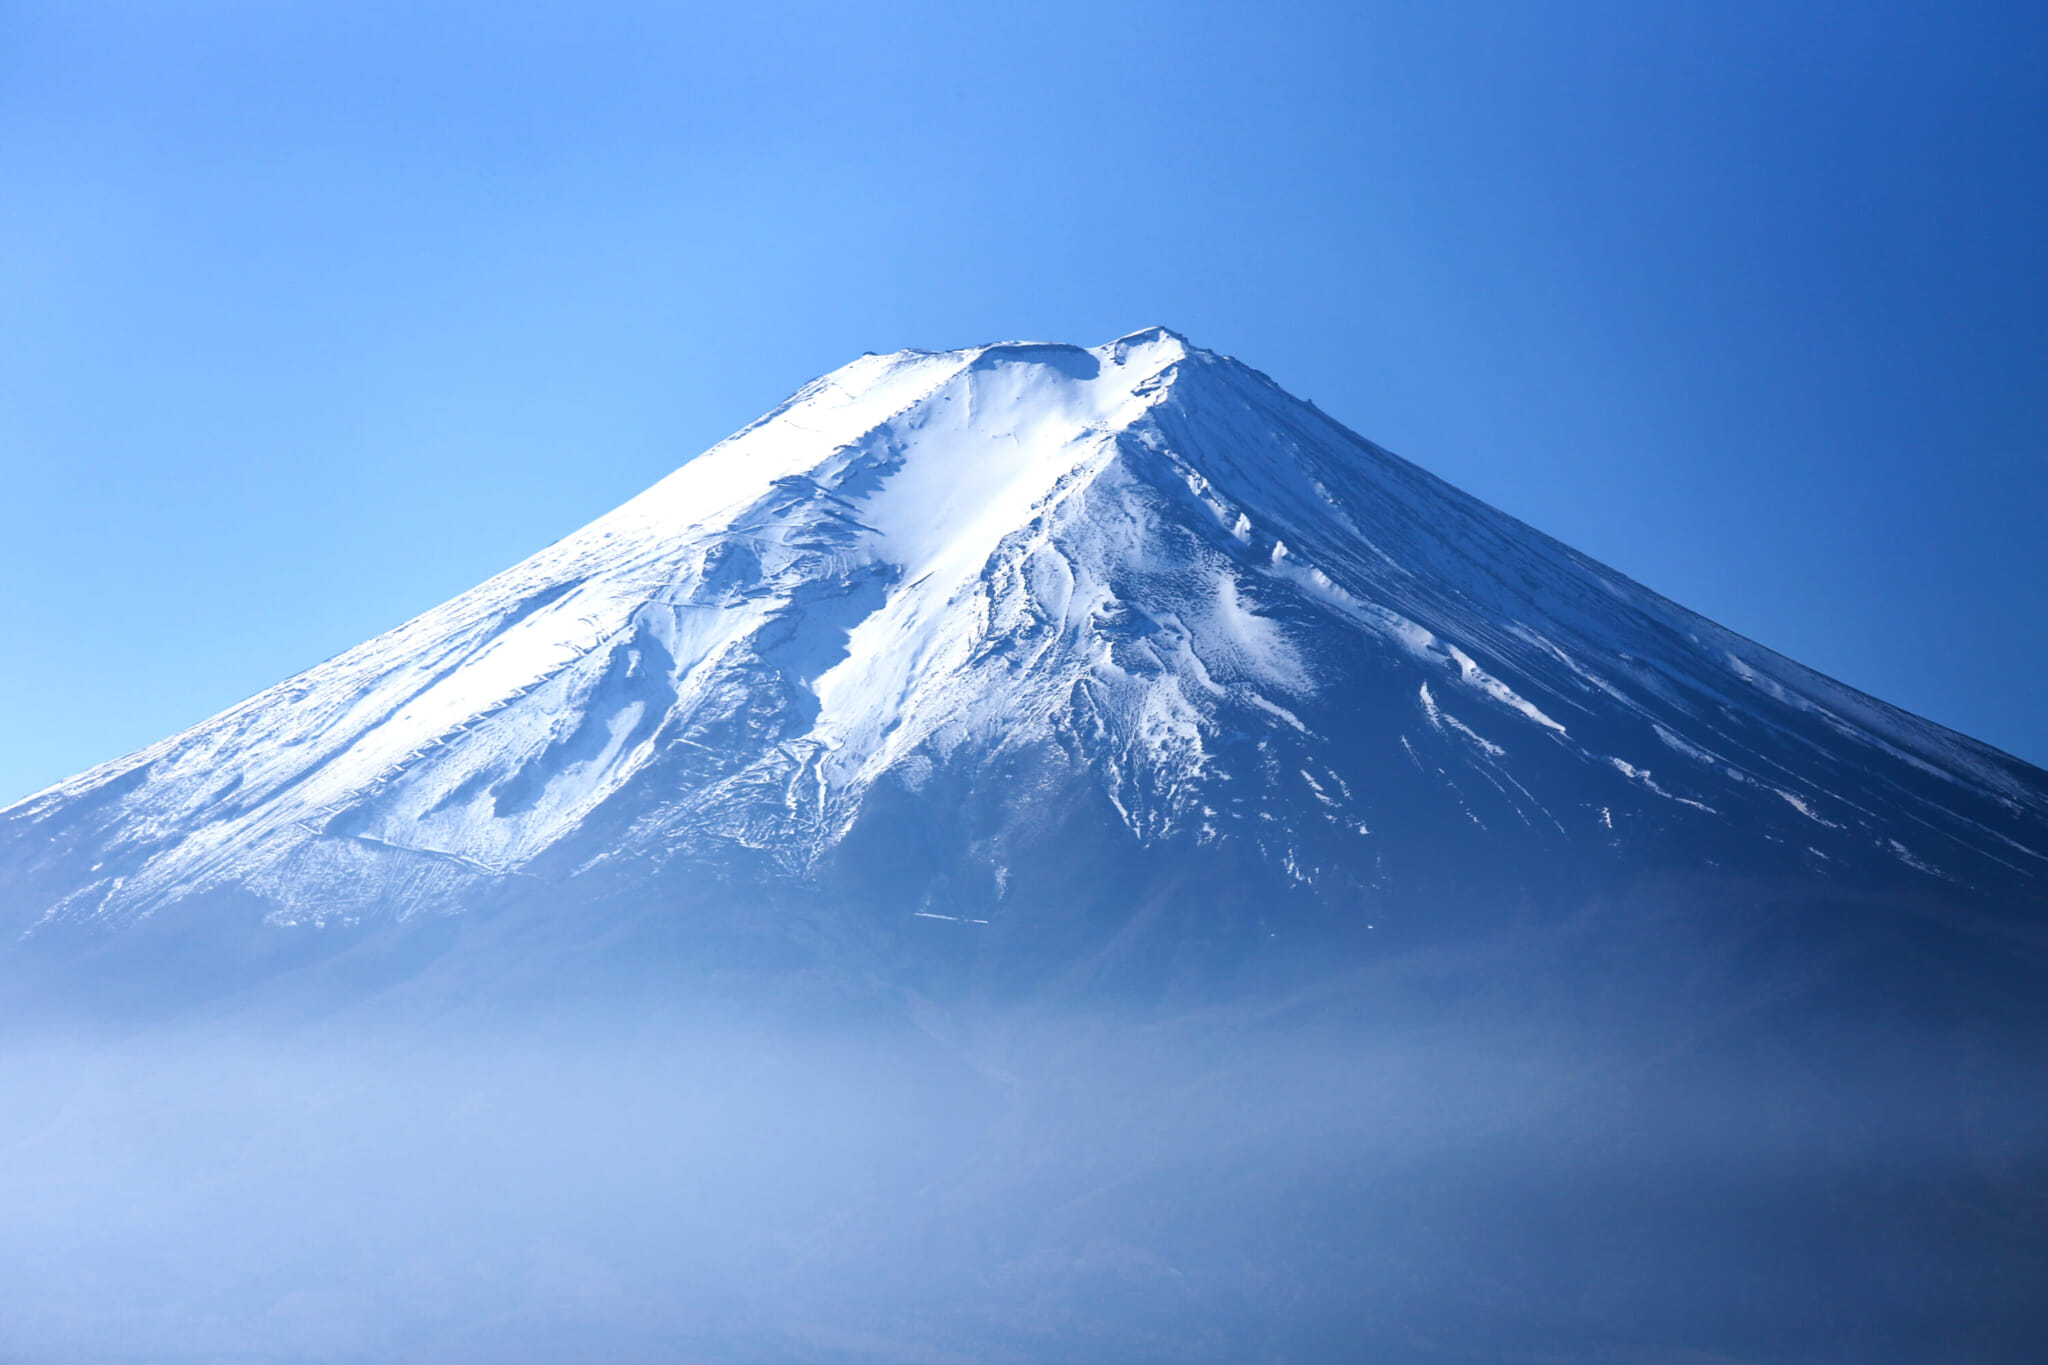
{"points": [[1764, 1120]]}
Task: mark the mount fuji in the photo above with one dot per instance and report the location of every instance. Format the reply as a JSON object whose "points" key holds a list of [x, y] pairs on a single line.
{"points": [[950, 602], [1035, 853]]}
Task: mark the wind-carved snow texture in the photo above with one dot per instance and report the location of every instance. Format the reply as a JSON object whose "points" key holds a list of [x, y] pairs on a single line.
{"points": [[1143, 560]]}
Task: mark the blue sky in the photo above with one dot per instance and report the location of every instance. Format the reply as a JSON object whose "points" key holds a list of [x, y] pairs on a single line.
{"points": [[313, 315]]}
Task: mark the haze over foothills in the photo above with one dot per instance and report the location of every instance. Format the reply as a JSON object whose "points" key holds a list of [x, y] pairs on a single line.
{"points": [[316, 316]]}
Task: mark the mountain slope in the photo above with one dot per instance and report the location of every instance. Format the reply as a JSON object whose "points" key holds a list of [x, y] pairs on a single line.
{"points": [[1142, 567]]}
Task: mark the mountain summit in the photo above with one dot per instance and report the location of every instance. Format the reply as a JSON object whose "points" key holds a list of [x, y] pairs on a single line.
{"points": [[987, 589]]}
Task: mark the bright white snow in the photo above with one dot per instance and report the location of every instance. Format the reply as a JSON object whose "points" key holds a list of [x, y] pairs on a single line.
{"points": [[1133, 550]]}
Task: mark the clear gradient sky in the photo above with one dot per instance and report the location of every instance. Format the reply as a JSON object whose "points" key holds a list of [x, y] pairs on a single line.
{"points": [[312, 315]]}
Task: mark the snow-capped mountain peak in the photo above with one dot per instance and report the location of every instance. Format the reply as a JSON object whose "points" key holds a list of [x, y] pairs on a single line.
{"points": [[1141, 561]]}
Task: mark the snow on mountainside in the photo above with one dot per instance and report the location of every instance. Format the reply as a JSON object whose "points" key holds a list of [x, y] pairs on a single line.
{"points": [[1143, 560]]}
